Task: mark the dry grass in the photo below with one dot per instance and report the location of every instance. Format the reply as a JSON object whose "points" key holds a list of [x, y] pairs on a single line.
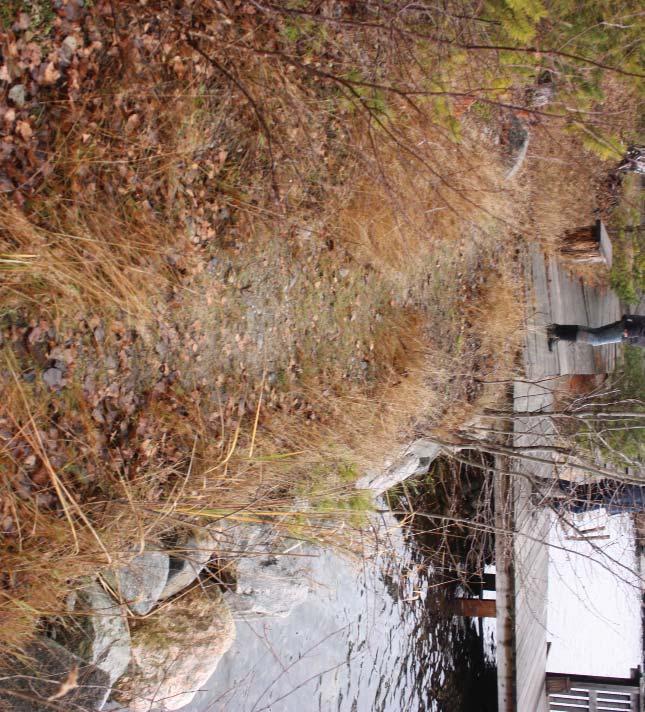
{"points": [[365, 349], [285, 290], [375, 366], [562, 185], [105, 258]]}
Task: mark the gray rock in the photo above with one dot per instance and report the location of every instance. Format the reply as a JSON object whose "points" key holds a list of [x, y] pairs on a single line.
{"points": [[415, 459], [41, 675], [70, 43], [141, 582], [106, 640], [269, 582], [177, 651], [53, 377], [18, 95], [187, 559]]}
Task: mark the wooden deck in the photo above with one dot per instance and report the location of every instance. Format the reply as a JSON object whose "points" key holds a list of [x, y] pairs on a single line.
{"points": [[557, 297], [522, 555]]}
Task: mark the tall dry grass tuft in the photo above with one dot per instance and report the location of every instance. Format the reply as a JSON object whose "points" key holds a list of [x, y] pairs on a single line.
{"points": [[448, 191], [57, 534], [562, 184], [497, 319], [104, 257]]}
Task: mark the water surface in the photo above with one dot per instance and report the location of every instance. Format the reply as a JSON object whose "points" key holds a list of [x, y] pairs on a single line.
{"points": [[371, 637]]}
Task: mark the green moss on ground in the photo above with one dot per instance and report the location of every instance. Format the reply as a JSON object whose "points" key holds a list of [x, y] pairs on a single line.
{"points": [[628, 242]]}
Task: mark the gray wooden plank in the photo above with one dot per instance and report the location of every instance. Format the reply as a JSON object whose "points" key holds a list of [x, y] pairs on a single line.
{"points": [[556, 296]]}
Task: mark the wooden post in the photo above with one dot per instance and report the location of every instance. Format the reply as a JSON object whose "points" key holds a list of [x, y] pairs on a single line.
{"points": [[587, 244], [473, 607], [556, 684], [593, 700]]}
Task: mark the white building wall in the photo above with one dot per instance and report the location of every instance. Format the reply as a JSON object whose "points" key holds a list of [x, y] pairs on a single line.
{"points": [[594, 619]]}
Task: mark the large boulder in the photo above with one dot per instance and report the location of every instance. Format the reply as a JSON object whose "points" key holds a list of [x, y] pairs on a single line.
{"points": [[176, 651], [50, 677], [139, 584], [188, 557], [103, 637], [269, 579], [414, 460]]}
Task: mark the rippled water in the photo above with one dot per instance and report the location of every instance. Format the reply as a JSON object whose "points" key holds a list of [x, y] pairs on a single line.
{"points": [[370, 638]]}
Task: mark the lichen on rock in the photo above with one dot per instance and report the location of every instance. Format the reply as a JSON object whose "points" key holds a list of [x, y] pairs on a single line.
{"points": [[176, 651], [270, 581], [106, 640], [140, 583]]}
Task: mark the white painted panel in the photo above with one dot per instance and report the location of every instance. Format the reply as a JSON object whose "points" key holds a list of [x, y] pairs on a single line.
{"points": [[594, 611]]}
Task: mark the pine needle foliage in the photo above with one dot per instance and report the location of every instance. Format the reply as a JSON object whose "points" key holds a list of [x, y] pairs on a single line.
{"points": [[568, 33], [519, 19]]}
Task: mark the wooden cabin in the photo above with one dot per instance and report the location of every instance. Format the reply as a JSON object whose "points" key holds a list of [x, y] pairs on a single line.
{"points": [[521, 548]]}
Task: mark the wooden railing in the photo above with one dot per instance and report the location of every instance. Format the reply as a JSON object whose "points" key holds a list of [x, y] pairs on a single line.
{"points": [[592, 697]]}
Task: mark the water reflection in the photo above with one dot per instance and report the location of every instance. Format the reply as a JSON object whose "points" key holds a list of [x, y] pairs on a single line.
{"points": [[373, 636]]}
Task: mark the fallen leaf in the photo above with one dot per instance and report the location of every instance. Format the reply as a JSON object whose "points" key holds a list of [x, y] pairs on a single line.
{"points": [[41, 477], [50, 74], [132, 123], [23, 21], [24, 130]]}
